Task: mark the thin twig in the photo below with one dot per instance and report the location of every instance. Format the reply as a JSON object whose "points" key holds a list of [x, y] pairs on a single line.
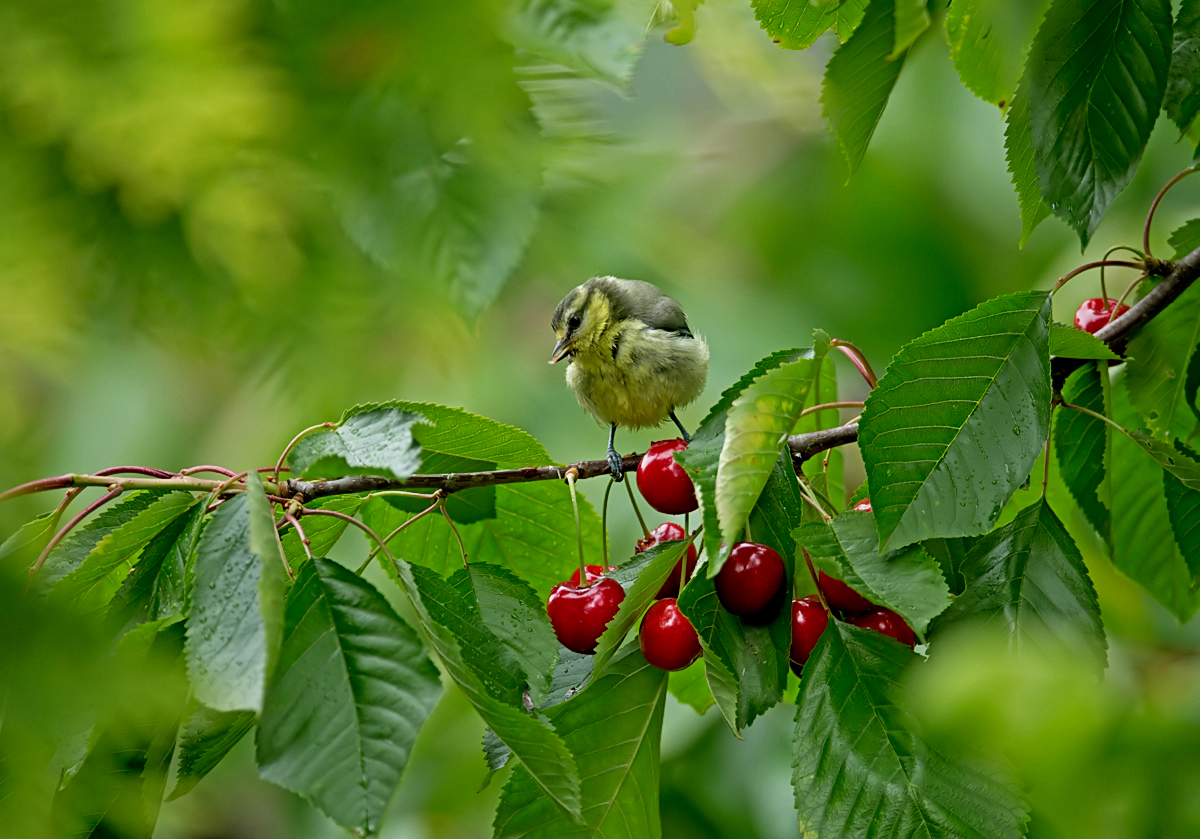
{"points": [[461, 547], [859, 359], [637, 512], [219, 470], [394, 533], [283, 455], [352, 520], [304, 541], [1154, 207], [1118, 263], [830, 405], [68, 527], [135, 470]]}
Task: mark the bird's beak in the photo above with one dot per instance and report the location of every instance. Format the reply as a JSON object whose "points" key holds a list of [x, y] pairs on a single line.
{"points": [[560, 350]]}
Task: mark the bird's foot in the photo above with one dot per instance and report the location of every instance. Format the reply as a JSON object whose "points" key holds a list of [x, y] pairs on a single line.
{"points": [[614, 466]]}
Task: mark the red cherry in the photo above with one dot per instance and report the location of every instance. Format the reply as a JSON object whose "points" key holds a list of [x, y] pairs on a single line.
{"points": [[667, 638], [662, 481], [840, 596], [669, 531], [887, 622], [865, 504], [579, 615], [809, 620], [594, 572], [750, 581], [1095, 313]]}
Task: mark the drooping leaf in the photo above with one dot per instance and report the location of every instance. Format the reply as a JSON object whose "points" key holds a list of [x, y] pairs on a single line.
{"points": [[205, 738], [1185, 239], [352, 688], [796, 26], [1180, 464], [1182, 101], [70, 553], [599, 40], [859, 79], [908, 581], [155, 589], [988, 41], [1183, 511], [368, 440], [22, 548], [690, 688], [93, 583], [958, 420], [1028, 577], [756, 431], [860, 770], [1022, 166], [1083, 445], [1069, 342], [1096, 76], [614, 726], [1157, 375], [912, 19]]}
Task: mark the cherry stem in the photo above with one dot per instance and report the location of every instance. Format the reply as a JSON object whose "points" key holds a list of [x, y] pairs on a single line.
{"points": [[68, 527], [816, 582], [70, 496], [1129, 288], [461, 547], [637, 512], [746, 527], [304, 540], [395, 532], [1101, 263], [829, 405], [287, 449], [604, 527], [858, 359], [1092, 413], [360, 525], [1154, 206], [583, 580]]}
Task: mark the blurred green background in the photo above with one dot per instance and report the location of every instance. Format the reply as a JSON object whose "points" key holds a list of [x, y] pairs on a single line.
{"points": [[223, 221]]}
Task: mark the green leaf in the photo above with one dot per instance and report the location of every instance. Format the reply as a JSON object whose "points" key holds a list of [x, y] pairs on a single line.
{"points": [[351, 691], [859, 79], [205, 738], [911, 20], [460, 433], [1156, 378], [323, 532], [690, 688], [988, 41], [1171, 458], [860, 770], [1096, 76], [599, 40], [369, 440], [950, 555], [908, 581], [1083, 445], [958, 420], [1028, 577], [94, 582], [825, 473], [70, 553], [1022, 166], [1185, 239], [756, 432], [1141, 522], [1182, 101], [796, 26], [1183, 511], [155, 589], [1069, 342], [614, 726], [22, 548], [229, 632]]}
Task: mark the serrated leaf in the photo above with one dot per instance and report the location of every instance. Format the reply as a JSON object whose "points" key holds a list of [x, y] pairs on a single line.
{"points": [[614, 727], [1171, 458], [1028, 577], [352, 688], [859, 79], [756, 431], [155, 589], [1096, 76], [912, 19], [796, 26], [988, 41], [205, 738], [21, 549], [599, 40], [908, 581], [1083, 445], [1182, 101], [369, 440], [1185, 239], [98, 577], [453, 431], [1022, 165], [958, 420], [1140, 522], [230, 635], [860, 770], [323, 532], [1183, 511], [1069, 342], [1157, 374], [950, 555]]}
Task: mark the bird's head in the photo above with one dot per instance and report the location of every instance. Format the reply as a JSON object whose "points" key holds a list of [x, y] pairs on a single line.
{"points": [[581, 319]]}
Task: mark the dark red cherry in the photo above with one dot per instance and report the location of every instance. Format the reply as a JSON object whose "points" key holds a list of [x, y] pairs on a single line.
{"points": [[669, 531], [667, 638], [579, 615], [594, 572], [887, 622], [865, 504], [750, 581], [663, 482], [1095, 313], [809, 620], [840, 596]]}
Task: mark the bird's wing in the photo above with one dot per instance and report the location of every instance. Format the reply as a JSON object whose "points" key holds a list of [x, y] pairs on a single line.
{"points": [[654, 308]]}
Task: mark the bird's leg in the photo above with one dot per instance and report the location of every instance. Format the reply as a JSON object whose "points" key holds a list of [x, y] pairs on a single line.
{"points": [[687, 438], [614, 459]]}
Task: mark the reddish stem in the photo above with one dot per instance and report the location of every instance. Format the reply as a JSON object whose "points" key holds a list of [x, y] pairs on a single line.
{"points": [[219, 470], [40, 485], [58, 537], [135, 470], [858, 359], [1100, 263], [1154, 206]]}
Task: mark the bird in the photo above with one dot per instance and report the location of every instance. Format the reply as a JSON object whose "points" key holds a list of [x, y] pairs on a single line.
{"points": [[632, 359]]}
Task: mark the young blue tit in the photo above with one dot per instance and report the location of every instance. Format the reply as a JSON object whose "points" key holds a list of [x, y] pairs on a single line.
{"points": [[632, 360]]}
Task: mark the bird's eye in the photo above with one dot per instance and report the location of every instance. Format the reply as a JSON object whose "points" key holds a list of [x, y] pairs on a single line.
{"points": [[573, 322]]}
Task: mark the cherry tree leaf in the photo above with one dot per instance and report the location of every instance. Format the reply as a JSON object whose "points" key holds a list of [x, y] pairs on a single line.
{"points": [[796, 26], [912, 18], [988, 41], [1156, 378], [1069, 342], [1022, 166], [205, 738], [368, 440], [1083, 445], [1183, 84]]}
